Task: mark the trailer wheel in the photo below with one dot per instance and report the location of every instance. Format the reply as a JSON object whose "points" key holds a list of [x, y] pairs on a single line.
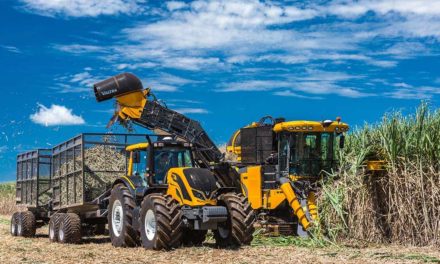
{"points": [[69, 231], [120, 218], [239, 228], [26, 224], [14, 223], [54, 226], [193, 237], [161, 224]]}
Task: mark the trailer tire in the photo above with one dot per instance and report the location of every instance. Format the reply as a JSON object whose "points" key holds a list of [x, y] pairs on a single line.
{"points": [[239, 228], [161, 222], [54, 226], [69, 231], [26, 224], [14, 222], [121, 218], [193, 237]]}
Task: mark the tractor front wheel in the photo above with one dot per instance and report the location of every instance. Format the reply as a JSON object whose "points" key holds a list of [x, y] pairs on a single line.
{"points": [[161, 225], [239, 228]]}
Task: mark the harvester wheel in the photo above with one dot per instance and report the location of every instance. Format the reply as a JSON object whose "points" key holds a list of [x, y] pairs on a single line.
{"points": [[193, 237], [26, 224], [54, 226], [14, 222], [120, 218], [161, 224], [239, 228], [69, 231]]}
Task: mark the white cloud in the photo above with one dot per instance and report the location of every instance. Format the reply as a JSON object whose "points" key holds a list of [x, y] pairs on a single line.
{"points": [[12, 49], [55, 115], [82, 8], [79, 48], [288, 93], [175, 5], [77, 83], [405, 7], [413, 93], [191, 110]]}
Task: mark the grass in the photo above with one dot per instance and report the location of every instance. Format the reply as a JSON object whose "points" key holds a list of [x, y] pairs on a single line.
{"points": [[7, 198], [400, 204]]}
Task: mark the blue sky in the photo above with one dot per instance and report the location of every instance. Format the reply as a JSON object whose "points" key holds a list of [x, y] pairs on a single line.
{"points": [[224, 63]]}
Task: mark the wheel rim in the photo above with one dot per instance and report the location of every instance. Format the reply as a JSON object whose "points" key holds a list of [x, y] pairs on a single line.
{"points": [[19, 228], [150, 225], [13, 228], [51, 232], [117, 216], [61, 232], [223, 231]]}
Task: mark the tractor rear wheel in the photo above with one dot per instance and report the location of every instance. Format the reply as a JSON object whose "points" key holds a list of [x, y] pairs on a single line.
{"points": [[161, 224], [120, 218], [54, 226], [26, 224], [14, 222], [239, 228], [69, 231], [193, 237]]}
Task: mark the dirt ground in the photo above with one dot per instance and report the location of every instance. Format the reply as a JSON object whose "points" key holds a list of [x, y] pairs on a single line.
{"points": [[100, 250]]}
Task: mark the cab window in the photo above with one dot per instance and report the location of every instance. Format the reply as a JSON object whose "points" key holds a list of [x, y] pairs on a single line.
{"points": [[140, 168]]}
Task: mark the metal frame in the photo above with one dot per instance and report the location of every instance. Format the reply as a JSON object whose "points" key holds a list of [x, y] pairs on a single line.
{"points": [[61, 156], [29, 179]]}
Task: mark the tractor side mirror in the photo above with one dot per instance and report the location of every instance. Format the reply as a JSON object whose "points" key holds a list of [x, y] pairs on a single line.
{"points": [[136, 156], [341, 141]]}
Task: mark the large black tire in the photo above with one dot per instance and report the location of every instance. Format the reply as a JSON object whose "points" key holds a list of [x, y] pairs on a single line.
{"points": [[165, 229], [126, 236], [14, 223], [54, 226], [69, 231], [239, 228], [26, 224], [193, 237]]}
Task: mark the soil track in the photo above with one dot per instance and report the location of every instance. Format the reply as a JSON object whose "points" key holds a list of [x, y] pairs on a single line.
{"points": [[99, 250]]}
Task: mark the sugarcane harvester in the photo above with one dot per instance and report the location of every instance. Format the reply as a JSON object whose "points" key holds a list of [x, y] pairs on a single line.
{"points": [[272, 170]]}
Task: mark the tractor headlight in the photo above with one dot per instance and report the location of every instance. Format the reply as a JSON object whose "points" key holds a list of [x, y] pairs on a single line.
{"points": [[198, 195]]}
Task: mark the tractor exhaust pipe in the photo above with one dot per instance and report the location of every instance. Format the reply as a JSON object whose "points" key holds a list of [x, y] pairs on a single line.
{"points": [[117, 85]]}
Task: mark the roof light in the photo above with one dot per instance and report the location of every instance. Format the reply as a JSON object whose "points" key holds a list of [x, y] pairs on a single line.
{"points": [[327, 123]]}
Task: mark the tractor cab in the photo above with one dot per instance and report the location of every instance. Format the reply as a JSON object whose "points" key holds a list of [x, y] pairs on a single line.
{"points": [[151, 161]]}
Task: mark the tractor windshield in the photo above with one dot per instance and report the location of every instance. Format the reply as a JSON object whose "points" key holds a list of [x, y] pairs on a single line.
{"points": [[170, 157], [306, 154]]}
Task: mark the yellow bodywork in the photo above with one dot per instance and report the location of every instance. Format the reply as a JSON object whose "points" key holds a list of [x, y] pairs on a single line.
{"points": [[132, 104], [310, 126], [178, 185], [376, 165], [259, 198]]}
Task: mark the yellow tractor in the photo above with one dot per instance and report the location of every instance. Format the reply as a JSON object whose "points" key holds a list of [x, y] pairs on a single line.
{"points": [[165, 200], [280, 164]]}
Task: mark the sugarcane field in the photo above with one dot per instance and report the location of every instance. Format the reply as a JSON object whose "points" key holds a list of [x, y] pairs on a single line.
{"points": [[220, 131]]}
